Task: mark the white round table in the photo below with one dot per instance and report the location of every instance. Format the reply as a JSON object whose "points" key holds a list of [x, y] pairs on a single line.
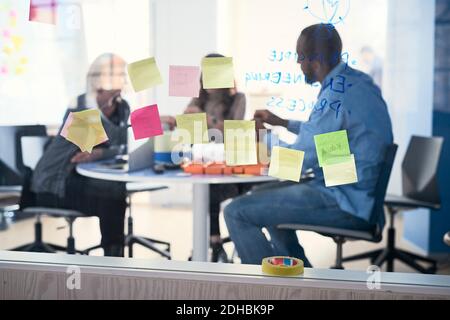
{"points": [[200, 197]]}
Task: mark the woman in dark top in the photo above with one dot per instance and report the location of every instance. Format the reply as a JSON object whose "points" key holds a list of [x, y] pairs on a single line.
{"points": [[55, 180], [219, 105]]}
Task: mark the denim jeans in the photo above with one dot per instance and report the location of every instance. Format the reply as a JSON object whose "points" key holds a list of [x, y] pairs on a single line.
{"points": [[282, 203]]}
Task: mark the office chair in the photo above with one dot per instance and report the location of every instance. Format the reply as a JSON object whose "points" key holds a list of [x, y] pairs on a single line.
{"points": [[131, 239], [9, 202], [420, 190], [30, 145], [340, 236]]}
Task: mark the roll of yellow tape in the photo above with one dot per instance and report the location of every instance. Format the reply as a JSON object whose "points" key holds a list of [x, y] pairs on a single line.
{"points": [[282, 266]]}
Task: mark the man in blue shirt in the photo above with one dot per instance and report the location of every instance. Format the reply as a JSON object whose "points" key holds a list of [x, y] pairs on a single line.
{"points": [[348, 100]]}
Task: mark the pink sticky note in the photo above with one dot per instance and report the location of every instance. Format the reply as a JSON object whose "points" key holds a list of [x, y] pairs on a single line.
{"points": [[184, 81], [146, 122], [64, 130], [43, 11]]}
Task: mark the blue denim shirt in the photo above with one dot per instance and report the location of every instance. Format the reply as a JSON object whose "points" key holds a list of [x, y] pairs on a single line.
{"points": [[349, 100]]}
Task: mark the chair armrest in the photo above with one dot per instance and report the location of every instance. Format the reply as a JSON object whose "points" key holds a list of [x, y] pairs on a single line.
{"points": [[54, 212], [11, 189]]}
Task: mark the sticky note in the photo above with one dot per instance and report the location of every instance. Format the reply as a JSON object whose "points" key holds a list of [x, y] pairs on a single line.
{"points": [[193, 128], [240, 142], [286, 164], [165, 143], [217, 73], [184, 81], [330, 145], [340, 171], [84, 129], [18, 42], [144, 74], [43, 11], [146, 123], [67, 124]]}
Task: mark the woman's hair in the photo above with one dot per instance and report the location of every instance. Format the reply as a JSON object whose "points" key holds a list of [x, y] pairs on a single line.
{"points": [[108, 71], [227, 95]]}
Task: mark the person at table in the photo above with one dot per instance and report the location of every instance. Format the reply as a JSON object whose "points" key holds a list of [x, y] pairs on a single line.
{"points": [[55, 180], [219, 105], [362, 112]]}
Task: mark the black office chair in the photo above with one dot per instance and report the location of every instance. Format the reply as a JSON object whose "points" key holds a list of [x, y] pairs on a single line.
{"points": [[340, 236], [131, 239], [30, 144], [9, 202], [420, 190]]}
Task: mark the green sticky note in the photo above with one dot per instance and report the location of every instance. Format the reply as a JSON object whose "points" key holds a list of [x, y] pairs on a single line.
{"points": [[144, 74], [240, 142], [331, 145], [340, 171], [217, 73], [286, 164], [193, 128]]}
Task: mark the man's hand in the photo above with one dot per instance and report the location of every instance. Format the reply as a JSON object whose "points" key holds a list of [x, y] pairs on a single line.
{"points": [[106, 101], [265, 116], [169, 120], [81, 157]]}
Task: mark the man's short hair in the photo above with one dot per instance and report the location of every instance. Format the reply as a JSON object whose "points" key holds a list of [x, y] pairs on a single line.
{"points": [[323, 43]]}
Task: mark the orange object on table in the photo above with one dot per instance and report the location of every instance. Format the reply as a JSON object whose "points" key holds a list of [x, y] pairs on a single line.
{"points": [[238, 170], [214, 168], [194, 168], [255, 170], [228, 171]]}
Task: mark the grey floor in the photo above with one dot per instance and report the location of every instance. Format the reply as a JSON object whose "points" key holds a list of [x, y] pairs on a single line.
{"points": [[174, 224]]}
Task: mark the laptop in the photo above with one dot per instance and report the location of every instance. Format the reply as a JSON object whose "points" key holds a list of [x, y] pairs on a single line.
{"points": [[139, 159]]}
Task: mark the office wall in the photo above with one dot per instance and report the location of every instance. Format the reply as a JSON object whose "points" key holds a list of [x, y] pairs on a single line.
{"points": [[184, 32], [408, 86], [426, 230], [58, 56]]}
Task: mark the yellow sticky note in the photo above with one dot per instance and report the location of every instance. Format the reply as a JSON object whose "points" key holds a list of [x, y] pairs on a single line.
{"points": [[17, 41], [240, 142], [144, 74], [7, 50], [85, 130], [217, 73], [192, 128], [286, 164], [340, 171]]}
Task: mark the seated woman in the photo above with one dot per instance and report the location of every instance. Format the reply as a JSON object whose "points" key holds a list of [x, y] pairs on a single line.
{"points": [[219, 105], [55, 180]]}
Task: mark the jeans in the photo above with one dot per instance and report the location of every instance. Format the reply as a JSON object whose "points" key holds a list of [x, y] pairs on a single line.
{"points": [[219, 193], [282, 203]]}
